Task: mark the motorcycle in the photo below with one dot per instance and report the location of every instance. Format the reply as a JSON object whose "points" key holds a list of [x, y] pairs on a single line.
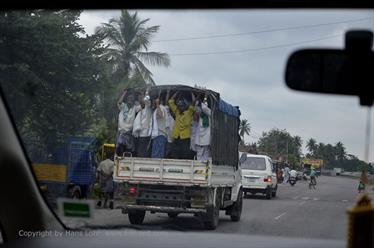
{"points": [[292, 181]]}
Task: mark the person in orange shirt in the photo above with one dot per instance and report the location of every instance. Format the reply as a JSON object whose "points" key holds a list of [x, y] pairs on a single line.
{"points": [[181, 134]]}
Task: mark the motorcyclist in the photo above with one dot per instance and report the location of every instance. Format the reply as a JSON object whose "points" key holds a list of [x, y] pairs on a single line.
{"points": [[293, 173]]}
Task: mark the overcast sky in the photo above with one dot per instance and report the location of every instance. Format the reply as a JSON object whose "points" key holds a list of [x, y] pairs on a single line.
{"points": [[254, 80]]}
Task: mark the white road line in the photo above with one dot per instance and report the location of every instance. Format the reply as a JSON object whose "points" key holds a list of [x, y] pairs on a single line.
{"points": [[301, 203], [315, 199], [277, 218], [344, 200], [295, 198], [305, 198]]}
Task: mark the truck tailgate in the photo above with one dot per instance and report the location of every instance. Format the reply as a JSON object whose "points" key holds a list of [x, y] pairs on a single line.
{"points": [[153, 170]]}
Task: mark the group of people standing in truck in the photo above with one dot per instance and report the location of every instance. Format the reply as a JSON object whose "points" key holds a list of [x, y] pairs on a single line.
{"points": [[174, 127]]}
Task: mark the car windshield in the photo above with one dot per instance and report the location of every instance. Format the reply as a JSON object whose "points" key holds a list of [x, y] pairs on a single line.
{"points": [[142, 114], [252, 163]]}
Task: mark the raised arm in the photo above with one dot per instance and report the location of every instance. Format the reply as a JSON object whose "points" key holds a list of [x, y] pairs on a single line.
{"points": [[171, 103], [193, 99], [204, 106], [159, 112], [120, 100], [141, 97], [174, 96], [167, 96]]}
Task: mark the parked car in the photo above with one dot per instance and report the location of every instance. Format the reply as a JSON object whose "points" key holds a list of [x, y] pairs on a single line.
{"points": [[258, 175]]}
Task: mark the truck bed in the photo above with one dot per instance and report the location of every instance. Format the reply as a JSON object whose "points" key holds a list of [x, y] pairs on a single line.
{"points": [[172, 172]]}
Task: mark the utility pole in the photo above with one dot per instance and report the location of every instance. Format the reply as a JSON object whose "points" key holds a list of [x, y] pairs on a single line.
{"points": [[287, 150]]}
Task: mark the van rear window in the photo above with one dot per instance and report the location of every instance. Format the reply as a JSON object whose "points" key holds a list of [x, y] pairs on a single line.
{"points": [[252, 163]]}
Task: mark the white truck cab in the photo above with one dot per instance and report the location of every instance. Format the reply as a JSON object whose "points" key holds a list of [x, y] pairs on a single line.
{"points": [[258, 175]]}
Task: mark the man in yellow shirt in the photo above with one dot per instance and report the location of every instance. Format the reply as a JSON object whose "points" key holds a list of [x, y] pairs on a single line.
{"points": [[182, 128]]}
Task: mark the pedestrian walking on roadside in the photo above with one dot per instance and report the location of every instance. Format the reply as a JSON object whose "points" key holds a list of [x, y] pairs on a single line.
{"points": [[286, 174], [105, 177], [361, 187]]}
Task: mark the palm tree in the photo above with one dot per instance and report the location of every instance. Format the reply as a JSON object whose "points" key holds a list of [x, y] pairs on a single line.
{"points": [[311, 145], [340, 151], [244, 128], [297, 143], [128, 40]]}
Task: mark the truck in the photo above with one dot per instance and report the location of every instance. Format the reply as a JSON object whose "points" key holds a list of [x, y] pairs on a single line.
{"points": [[338, 171], [308, 163], [63, 168], [175, 186]]}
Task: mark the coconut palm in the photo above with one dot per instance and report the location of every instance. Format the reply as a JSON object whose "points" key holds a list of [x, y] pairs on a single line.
{"points": [[311, 145], [244, 128], [128, 39], [340, 151]]}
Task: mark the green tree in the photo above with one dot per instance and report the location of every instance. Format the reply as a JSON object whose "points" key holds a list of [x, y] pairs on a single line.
{"points": [[280, 143], [244, 129], [340, 151], [311, 146], [128, 41], [49, 72]]}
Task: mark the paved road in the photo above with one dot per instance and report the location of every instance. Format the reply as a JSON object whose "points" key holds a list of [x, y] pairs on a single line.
{"points": [[296, 212]]}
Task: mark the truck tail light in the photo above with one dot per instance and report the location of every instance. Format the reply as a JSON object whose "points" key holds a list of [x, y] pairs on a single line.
{"points": [[268, 179], [132, 190]]}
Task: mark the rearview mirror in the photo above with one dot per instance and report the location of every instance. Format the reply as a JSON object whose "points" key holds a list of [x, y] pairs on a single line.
{"points": [[346, 72]]}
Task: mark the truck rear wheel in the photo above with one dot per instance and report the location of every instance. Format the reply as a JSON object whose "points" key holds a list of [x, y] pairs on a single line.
{"points": [[136, 217], [274, 193], [237, 207], [268, 193], [211, 219]]}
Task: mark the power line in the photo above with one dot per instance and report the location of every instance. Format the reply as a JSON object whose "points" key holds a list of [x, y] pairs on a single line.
{"points": [[258, 49], [263, 31]]}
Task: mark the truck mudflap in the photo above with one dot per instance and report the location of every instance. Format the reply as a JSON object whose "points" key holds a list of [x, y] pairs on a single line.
{"points": [[161, 209]]}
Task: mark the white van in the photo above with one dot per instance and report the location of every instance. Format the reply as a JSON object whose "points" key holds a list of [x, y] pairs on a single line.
{"points": [[258, 175]]}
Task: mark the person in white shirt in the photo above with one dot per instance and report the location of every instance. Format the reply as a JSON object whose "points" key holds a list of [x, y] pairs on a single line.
{"points": [[169, 129], [293, 173], [126, 117], [194, 129], [159, 131], [286, 174], [142, 127], [202, 138], [105, 177]]}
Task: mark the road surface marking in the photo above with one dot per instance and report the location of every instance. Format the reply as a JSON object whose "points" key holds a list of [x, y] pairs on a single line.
{"points": [[277, 218], [315, 199], [301, 203], [305, 198], [295, 198], [344, 200]]}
